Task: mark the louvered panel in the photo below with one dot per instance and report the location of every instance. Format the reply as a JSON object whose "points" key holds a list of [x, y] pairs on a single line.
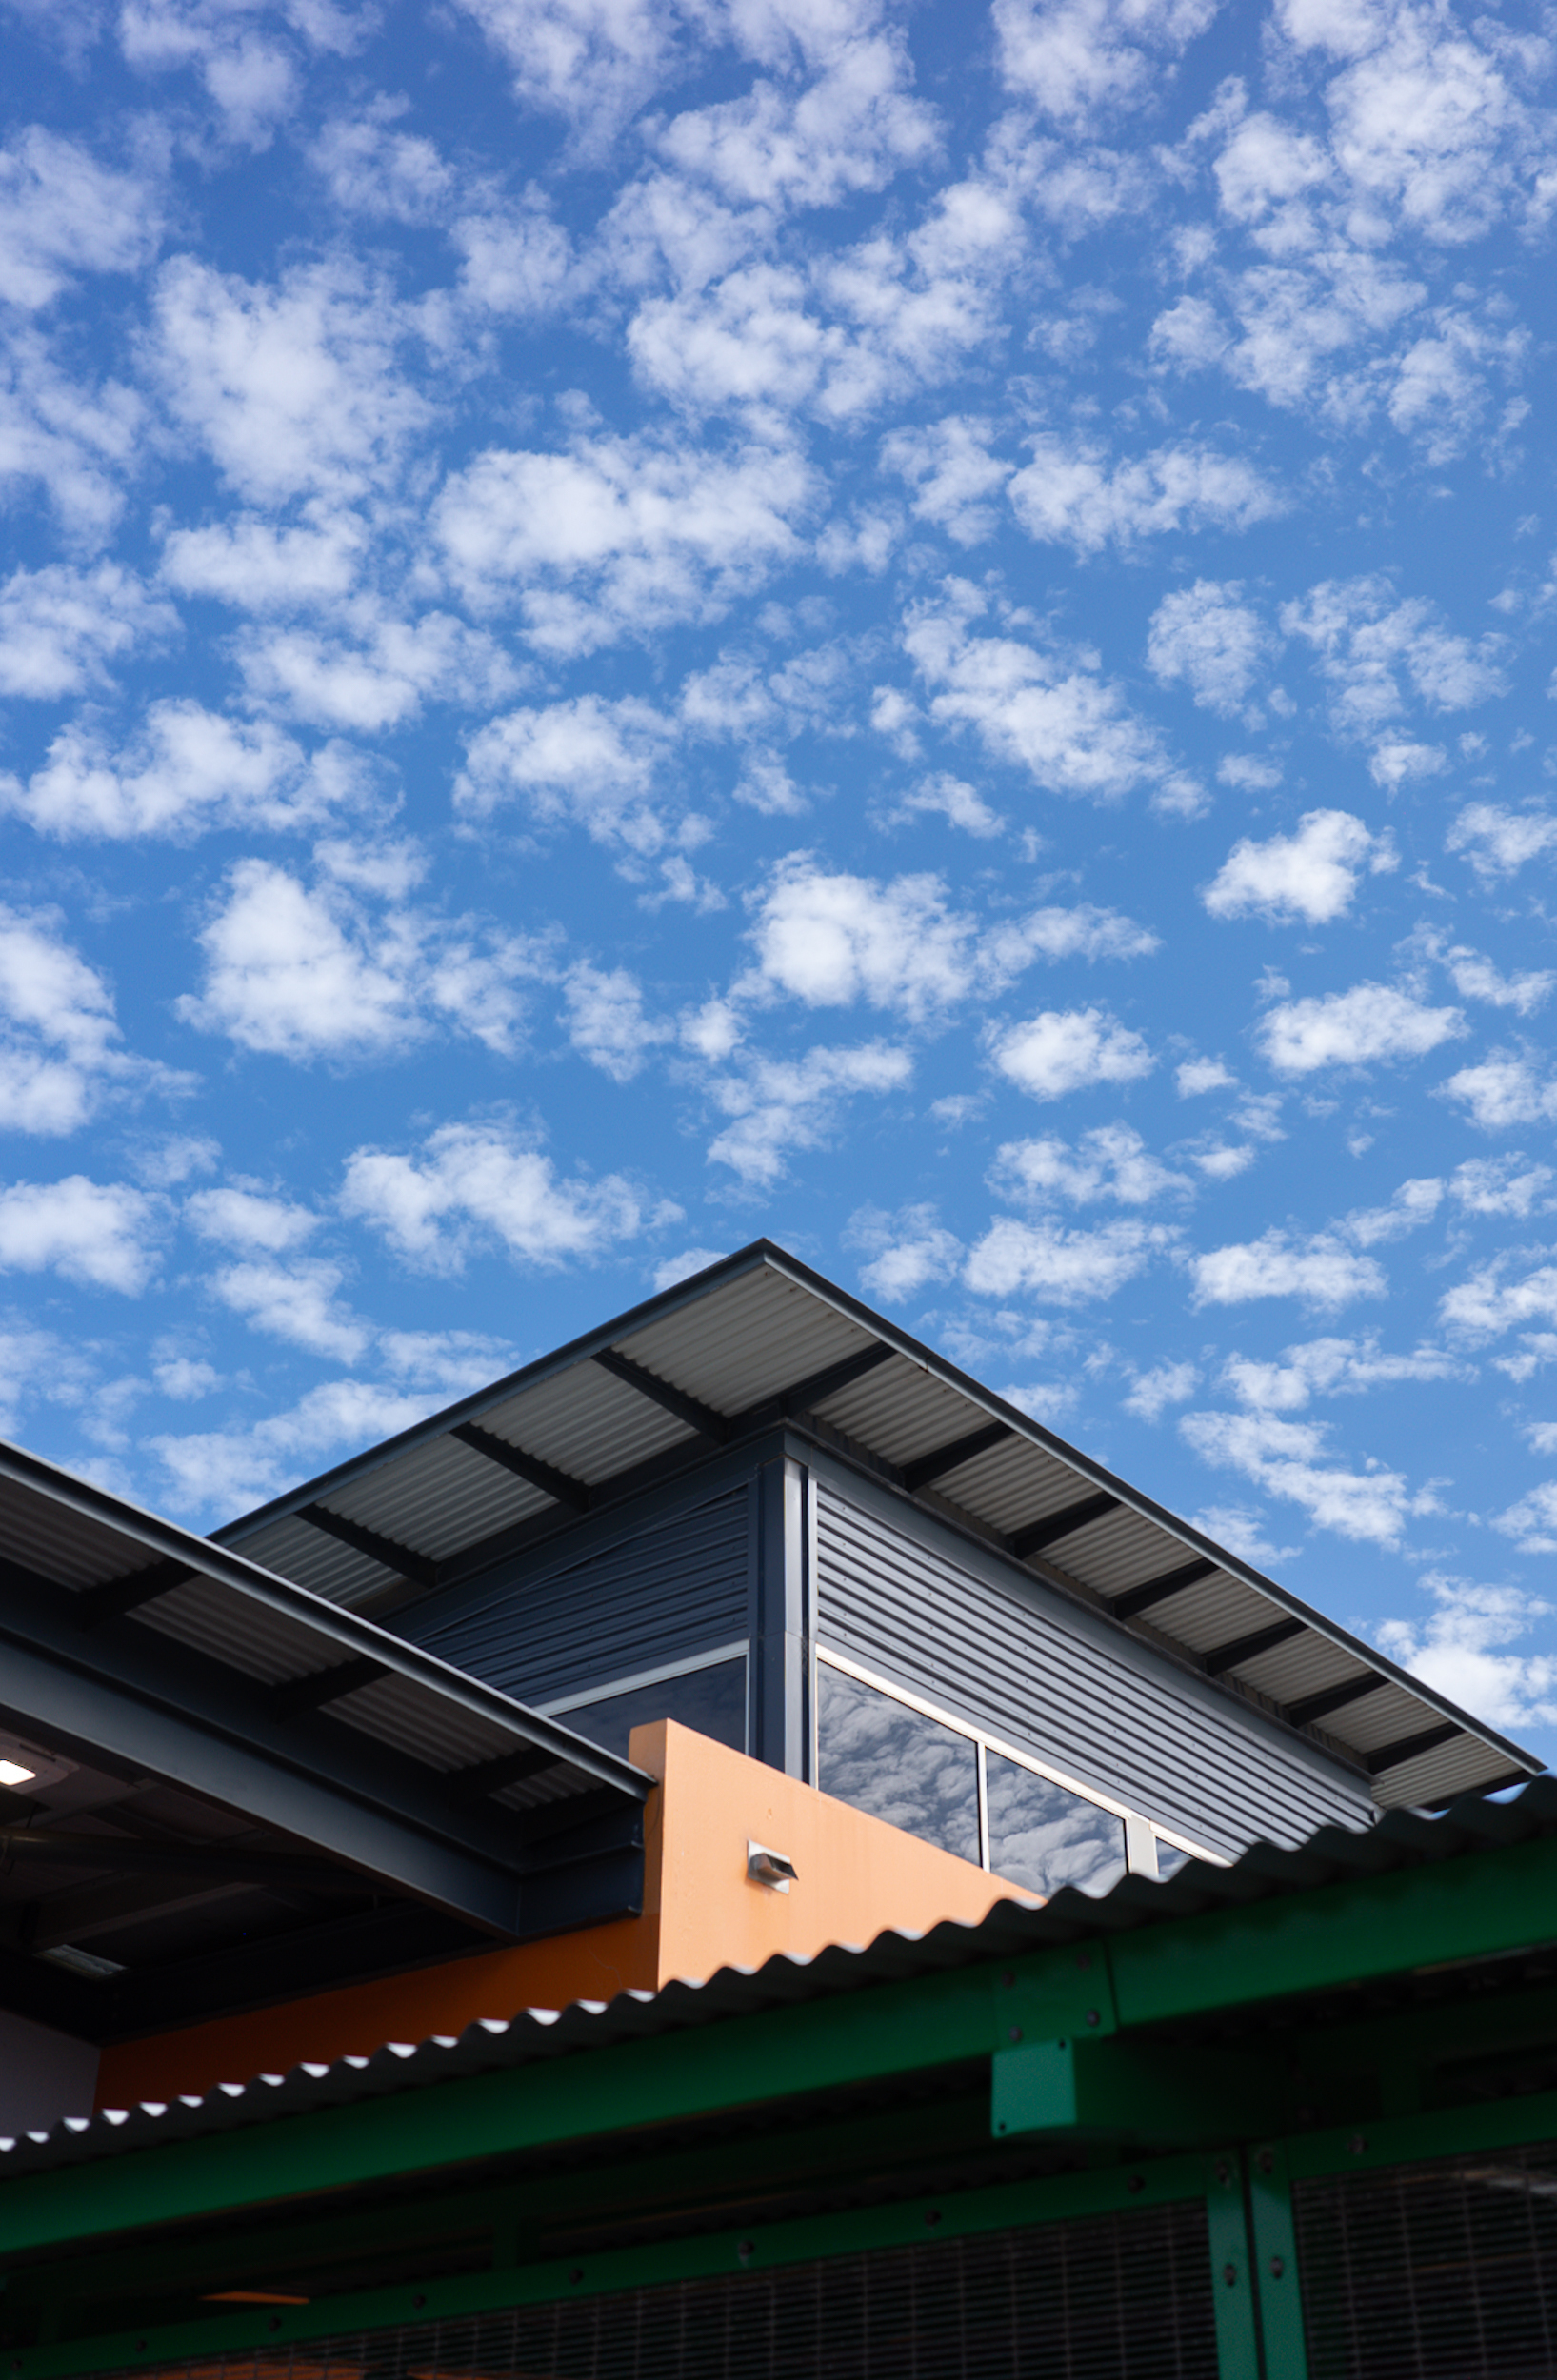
{"points": [[1386, 1717], [1049, 1677], [69, 1547], [1444, 2271], [443, 1735], [587, 1422], [438, 1497], [1214, 1610], [312, 1558], [1106, 2297], [1455, 1768], [659, 1596], [246, 1635], [762, 1336], [1306, 1665], [1013, 1483], [1122, 1550]]}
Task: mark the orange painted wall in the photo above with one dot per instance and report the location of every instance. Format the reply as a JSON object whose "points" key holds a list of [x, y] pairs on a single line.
{"points": [[858, 1877]]}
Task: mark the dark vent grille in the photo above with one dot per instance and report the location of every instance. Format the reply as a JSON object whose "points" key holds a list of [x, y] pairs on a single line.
{"points": [[1441, 2271], [1121, 2299]]}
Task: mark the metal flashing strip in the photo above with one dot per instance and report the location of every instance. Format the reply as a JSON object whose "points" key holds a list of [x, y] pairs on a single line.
{"points": [[760, 1339]]}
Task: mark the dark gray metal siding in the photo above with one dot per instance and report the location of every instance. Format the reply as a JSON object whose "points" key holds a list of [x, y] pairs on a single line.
{"points": [[1048, 1678], [657, 1594]]}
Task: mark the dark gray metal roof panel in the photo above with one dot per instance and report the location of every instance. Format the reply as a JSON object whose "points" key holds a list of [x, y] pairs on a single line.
{"points": [[752, 1326], [1401, 1840]]}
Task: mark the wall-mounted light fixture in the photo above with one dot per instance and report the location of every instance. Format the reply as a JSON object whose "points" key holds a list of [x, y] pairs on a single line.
{"points": [[773, 1867]]}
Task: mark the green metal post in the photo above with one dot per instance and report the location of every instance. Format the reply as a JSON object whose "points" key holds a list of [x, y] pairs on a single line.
{"points": [[1277, 2279], [1237, 2334]]}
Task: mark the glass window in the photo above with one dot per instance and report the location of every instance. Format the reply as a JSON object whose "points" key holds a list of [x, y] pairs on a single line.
{"points": [[891, 1761], [1169, 1859], [1043, 1837], [710, 1701]]}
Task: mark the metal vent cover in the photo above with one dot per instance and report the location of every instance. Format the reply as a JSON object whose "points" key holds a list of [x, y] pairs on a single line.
{"points": [[1118, 2297], [1444, 2271]]}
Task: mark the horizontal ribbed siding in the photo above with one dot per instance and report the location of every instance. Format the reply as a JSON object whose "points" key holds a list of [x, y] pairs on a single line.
{"points": [[1042, 1681], [674, 1589]]}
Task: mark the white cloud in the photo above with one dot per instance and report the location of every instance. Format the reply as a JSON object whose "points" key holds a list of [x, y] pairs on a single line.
{"points": [[1414, 1204], [588, 760], [682, 1267], [373, 169], [61, 627], [1208, 637], [1311, 874], [1075, 58], [1061, 1267], [1290, 1459], [1498, 842], [103, 1234], [1071, 494], [906, 1250], [188, 770], [951, 798], [1242, 1532], [1475, 978], [952, 473], [379, 673], [1331, 1367], [1379, 654], [1320, 1269], [1495, 1185], [782, 1106], [62, 213], [1458, 1648], [78, 441], [621, 536], [1248, 772], [249, 1220], [1164, 1384], [1198, 1075], [850, 129], [1051, 713], [831, 939], [1370, 1023], [518, 260], [296, 1301], [60, 1052], [231, 1470], [307, 973], [1062, 1050], [592, 62], [1505, 1089], [1111, 1162], [294, 390], [606, 1023], [476, 1186], [1486, 1304], [257, 566]]}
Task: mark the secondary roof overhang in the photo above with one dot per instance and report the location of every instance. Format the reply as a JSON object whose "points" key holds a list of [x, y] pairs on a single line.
{"points": [[759, 1340], [242, 1788]]}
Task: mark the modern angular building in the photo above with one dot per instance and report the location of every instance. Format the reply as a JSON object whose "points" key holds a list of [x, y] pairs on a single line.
{"points": [[385, 1724], [998, 1930]]}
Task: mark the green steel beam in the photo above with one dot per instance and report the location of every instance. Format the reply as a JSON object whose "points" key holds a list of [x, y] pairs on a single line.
{"points": [[1473, 1906], [1233, 2285], [1406, 2140], [1136, 2091], [1274, 2263]]}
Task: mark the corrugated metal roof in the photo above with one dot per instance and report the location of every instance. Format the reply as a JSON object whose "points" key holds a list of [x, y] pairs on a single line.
{"points": [[64, 1533], [737, 1342], [1401, 1840]]}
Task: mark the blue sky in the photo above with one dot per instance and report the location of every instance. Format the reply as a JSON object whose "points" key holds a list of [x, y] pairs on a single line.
{"points": [[926, 630]]}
